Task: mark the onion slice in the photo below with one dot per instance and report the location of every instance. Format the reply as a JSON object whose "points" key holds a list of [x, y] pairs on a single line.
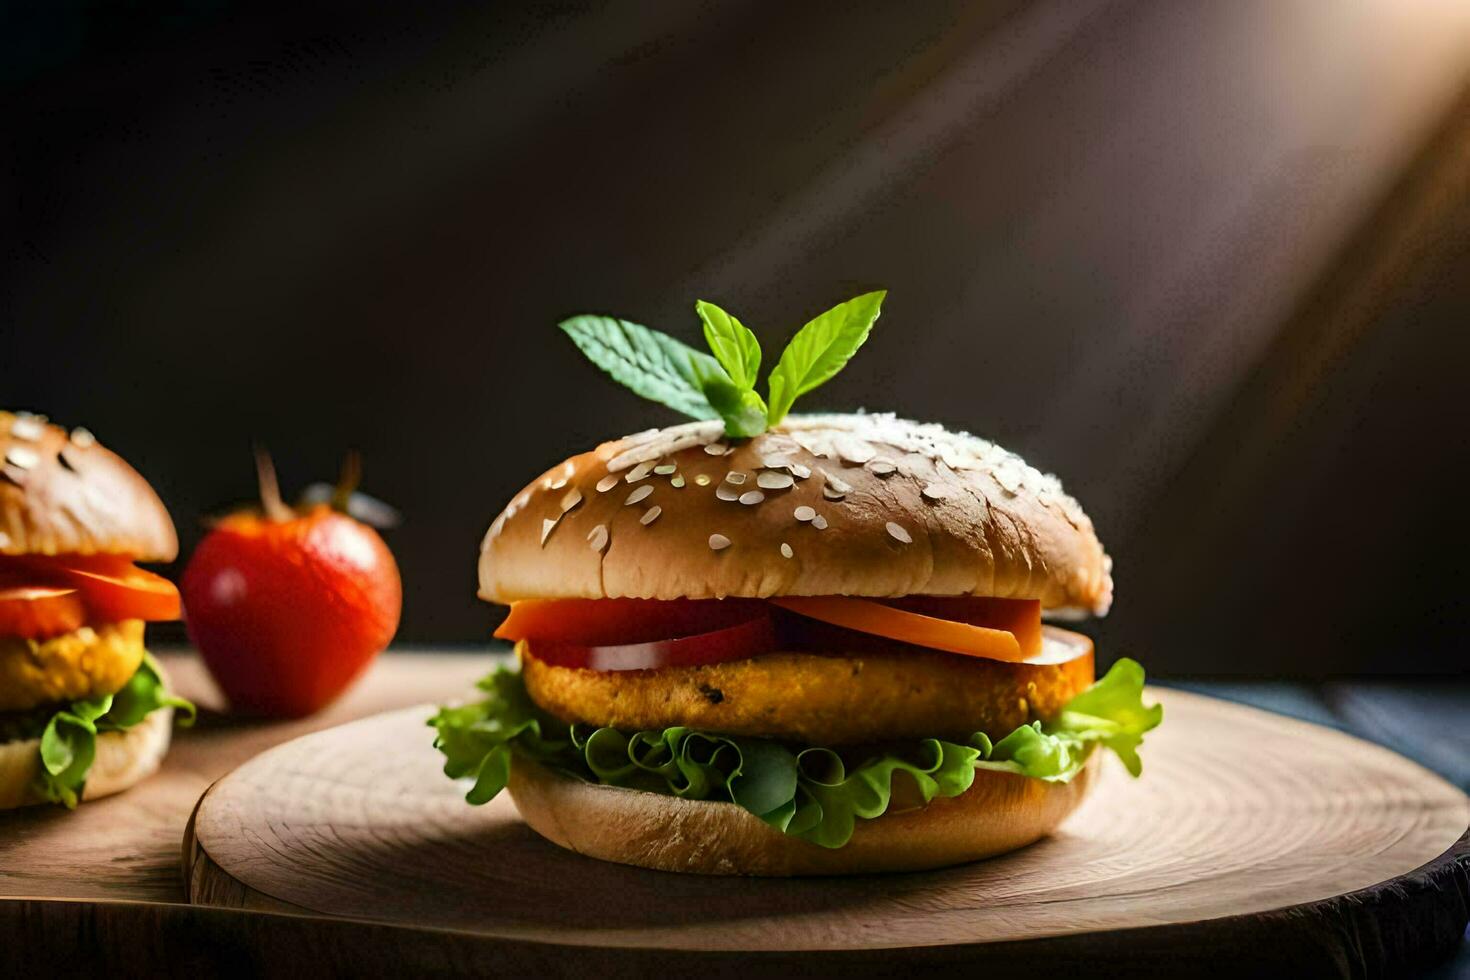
{"points": [[751, 638]]}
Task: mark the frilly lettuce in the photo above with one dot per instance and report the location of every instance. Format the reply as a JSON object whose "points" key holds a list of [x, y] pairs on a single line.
{"points": [[69, 740], [813, 793]]}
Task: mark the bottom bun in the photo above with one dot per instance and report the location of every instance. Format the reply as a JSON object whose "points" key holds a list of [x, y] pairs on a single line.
{"points": [[999, 812], [124, 759]]}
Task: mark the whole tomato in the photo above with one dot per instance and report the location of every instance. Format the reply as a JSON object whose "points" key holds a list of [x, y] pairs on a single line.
{"points": [[288, 607]]}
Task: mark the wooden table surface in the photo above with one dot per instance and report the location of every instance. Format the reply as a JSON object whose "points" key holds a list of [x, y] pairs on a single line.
{"points": [[125, 851], [127, 847]]}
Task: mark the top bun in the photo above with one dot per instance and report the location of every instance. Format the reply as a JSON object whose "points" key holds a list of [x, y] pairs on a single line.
{"points": [[62, 493], [857, 505]]}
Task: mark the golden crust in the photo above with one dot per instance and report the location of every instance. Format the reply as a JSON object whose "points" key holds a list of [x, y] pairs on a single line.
{"points": [[63, 493], [85, 663], [816, 699], [864, 505]]}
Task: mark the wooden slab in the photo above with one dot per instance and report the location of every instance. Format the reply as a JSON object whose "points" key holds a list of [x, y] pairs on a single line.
{"points": [[126, 847], [1250, 836]]}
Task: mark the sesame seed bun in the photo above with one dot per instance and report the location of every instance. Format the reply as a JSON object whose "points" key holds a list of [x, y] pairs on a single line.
{"points": [[858, 505], [63, 493], [999, 812]]}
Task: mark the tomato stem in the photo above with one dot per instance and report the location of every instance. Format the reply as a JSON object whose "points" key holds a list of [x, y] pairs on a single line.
{"points": [[270, 491], [347, 481]]}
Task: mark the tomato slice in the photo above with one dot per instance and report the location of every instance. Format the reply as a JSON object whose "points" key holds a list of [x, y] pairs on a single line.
{"points": [[606, 622], [110, 587], [740, 642], [40, 612], [1019, 617], [116, 589], [878, 619]]}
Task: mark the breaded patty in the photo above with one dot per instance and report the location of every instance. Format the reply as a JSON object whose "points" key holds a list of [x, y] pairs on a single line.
{"points": [[820, 699], [84, 663]]}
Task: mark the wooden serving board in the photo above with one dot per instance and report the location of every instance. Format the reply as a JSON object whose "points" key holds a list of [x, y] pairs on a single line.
{"points": [[1251, 840]]}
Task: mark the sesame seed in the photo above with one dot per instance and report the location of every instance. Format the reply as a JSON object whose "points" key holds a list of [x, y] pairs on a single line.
{"points": [[726, 492], [641, 493], [837, 483], [27, 429], [804, 513], [786, 551], [639, 472], [607, 483], [853, 450], [22, 457], [899, 533], [881, 467], [715, 449], [735, 477], [82, 438], [718, 542], [702, 480], [650, 515], [664, 469], [752, 497], [935, 491], [771, 480], [799, 471], [557, 483], [831, 494], [819, 522], [597, 537], [573, 498], [547, 526], [677, 482]]}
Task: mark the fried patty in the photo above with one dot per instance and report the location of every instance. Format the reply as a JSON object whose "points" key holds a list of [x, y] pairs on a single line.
{"points": [[816, 698], [89, 662]]}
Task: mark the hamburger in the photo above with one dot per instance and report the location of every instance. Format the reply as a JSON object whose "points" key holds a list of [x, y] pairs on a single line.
{"points": [[84, 709], [813, 648]]}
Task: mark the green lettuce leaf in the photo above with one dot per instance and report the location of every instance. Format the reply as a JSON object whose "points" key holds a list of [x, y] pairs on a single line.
{"points": [[69, 740], [815, 793]]}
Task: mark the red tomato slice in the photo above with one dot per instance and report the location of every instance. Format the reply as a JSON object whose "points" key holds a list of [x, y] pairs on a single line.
{"points": [[604, 622], [749, 639], [40, 612], [868, 616], [116, 589], [111, 587]]}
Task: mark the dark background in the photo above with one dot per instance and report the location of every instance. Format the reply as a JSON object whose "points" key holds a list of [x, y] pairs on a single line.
{"points": [[1209, 262]]}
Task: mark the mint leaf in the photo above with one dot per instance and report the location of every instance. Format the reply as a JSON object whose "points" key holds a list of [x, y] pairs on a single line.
{"points": [[734, 346], [742, 409], [821, 349], [654, 365], [815, 793]]}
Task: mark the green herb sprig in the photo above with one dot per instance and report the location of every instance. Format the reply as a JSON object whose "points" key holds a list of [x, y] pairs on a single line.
{"points": [[723, 386]]}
